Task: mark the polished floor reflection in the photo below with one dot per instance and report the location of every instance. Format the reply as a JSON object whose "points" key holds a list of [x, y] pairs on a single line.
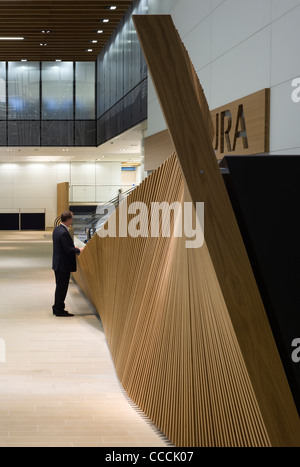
{"points": [[57, 382]]}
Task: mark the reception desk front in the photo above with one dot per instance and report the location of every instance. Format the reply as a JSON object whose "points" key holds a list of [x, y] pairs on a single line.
{"points": [[171, 337]]}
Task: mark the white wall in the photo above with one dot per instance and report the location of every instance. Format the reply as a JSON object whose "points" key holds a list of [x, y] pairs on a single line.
{"points": [[99, 181], [34, 185], [239, 47]]}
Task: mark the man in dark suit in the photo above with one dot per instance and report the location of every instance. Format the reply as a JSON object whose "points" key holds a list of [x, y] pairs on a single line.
{"points": [[64, 262]]}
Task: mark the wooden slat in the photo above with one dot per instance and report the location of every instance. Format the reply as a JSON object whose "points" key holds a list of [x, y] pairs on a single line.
{"points": [[189, 131], [62, 198]]}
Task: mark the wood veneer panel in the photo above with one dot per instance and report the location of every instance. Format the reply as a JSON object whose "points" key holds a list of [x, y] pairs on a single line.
{"points": [[256, 114], [189, 132], [62, 198]]}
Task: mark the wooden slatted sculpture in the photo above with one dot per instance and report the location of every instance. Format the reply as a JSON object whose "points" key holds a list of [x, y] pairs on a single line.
{"points": [[186, 328]]}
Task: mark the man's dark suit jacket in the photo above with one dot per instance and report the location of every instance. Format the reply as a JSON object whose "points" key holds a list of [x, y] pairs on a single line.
{"points": [[64, 251]]}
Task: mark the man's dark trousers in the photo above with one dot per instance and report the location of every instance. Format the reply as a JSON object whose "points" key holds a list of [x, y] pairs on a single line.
{"points": [[62, 284]]}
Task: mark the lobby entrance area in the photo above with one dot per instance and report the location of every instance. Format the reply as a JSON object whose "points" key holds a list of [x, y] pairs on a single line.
{"points": [[58, 387]]}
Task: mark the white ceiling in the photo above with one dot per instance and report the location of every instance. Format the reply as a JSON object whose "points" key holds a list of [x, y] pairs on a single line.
{"points": [[127, 147]]}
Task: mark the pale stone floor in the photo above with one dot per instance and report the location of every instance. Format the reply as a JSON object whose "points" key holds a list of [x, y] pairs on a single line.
{"points": [[58, 387]]}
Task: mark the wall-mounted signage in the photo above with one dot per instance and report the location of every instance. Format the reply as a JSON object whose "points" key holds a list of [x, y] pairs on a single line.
{"points": [[243, 126]]}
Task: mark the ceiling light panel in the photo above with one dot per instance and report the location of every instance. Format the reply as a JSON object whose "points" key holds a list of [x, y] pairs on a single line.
{"points": [[11, 38]]}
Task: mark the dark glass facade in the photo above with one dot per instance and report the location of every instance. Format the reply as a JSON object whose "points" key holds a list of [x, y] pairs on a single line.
{"points": [[122, 79], [48, 104], [76, 103]]}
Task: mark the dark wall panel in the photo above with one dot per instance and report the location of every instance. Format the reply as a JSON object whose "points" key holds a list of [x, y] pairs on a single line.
{"points": [[265, 193], [85, 133], [33, 221], [57, 133], [24, 133], [9, 221], [3, 135]]}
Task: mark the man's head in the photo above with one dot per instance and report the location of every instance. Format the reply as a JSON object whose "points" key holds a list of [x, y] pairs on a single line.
{"points": [[67, 218]]}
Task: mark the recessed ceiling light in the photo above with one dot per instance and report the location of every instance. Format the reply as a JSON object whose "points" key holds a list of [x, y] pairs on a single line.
{"points": [[11, 38], [58, 60], [105, 21], [112, 7], [24, 60], [43, 44], [89, 50], [100, 31], [94, 42]]}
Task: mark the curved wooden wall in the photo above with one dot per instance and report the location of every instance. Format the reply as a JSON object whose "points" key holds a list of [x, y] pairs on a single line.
{"points": [[169, 330], [186, 328]]}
